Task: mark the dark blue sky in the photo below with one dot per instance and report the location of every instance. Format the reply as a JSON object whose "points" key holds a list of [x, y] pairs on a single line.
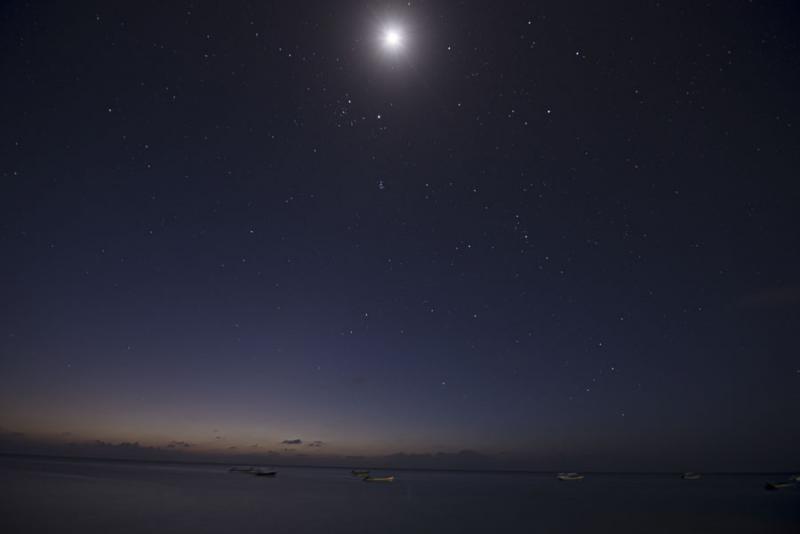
{"points": [[536, 231]]}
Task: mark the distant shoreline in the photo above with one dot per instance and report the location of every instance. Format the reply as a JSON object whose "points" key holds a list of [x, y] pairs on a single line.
{"points": [[385, 468]]}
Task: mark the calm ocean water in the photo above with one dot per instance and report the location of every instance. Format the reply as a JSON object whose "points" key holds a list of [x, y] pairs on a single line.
{"points": [[44, 495]]}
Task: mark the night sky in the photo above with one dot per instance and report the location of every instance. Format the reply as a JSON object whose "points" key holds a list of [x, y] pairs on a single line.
{"points": [[542, 232]]}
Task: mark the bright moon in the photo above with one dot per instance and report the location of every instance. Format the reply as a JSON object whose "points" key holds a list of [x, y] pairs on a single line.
{"points": [[392, 38]]}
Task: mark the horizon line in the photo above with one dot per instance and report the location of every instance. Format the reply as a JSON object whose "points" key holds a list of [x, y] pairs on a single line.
{"points": [[386, 468]]}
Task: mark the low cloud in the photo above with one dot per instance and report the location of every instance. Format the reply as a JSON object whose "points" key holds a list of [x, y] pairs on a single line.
{"points": [[297, 441], [316, 444], [178, 445]]}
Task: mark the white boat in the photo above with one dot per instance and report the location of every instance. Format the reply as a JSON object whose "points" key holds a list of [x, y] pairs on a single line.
{"points": [[780, 485], [368, 478], [570, 476]]}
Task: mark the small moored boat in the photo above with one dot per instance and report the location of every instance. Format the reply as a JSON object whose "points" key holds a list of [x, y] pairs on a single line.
{"points": [[264, 473], [690, 476], [569, 476], [368, 478], [772, 486]]}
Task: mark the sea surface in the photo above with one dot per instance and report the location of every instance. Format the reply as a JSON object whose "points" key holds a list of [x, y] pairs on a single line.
{"points": [[87, 496]]}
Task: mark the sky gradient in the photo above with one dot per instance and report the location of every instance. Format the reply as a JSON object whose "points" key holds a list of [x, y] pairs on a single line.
{"points": [[545, 232]]}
